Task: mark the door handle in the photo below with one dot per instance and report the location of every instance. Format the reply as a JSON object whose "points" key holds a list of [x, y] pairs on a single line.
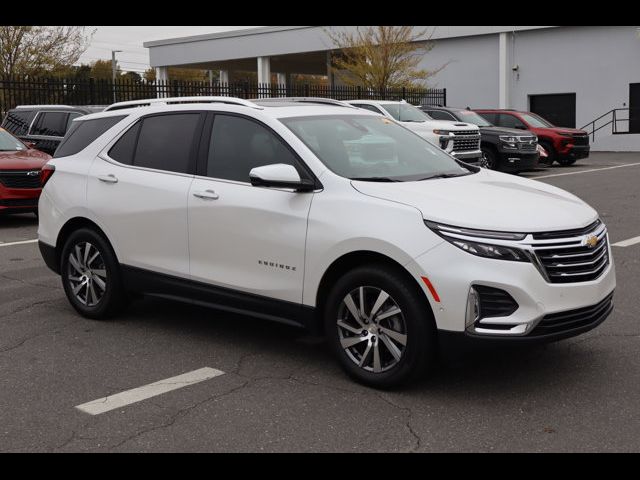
{"points": [[108, 178], [206, 195]]}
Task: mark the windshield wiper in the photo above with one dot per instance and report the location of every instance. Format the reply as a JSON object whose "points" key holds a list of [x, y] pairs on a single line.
{"points": [[375, 179], [444, 175]]}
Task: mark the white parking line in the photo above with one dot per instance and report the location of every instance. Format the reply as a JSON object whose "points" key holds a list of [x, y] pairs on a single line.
{"points": [[128, 397], [23, 242], [585, 171], [626, 243]]}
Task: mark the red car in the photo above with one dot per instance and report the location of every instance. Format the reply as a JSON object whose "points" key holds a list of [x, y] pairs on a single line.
{"points": [[21, 175], [563, 145]]}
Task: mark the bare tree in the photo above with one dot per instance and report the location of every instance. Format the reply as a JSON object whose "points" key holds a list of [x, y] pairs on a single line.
{"points": [[35, 50], [381, 57]]}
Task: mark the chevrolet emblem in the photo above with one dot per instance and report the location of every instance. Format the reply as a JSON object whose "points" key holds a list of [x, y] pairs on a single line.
{"points": [[590, 241]]}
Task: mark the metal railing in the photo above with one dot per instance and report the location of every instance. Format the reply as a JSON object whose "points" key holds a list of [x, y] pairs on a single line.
{"points": [[16, 91], [613, 118]]}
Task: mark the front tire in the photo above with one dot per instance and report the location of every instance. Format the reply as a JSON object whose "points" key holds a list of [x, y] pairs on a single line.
{"points": [[380, 327], [91, 275], [489, 159], [565, 162]]}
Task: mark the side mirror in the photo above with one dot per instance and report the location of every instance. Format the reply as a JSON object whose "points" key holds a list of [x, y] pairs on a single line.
{"points": [[279, 175], [29, 144]]}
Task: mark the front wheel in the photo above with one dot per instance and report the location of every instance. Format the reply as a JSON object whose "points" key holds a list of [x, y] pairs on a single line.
{"points": [[489, 159], [565, 162], [91, 275], [380, 327]]}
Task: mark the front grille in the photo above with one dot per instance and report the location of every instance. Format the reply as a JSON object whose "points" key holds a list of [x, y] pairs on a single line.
{"points": [[495, 302], [19, 179], [466, 143], [465, 132], [528, 144], [581, 139], [19, 202], [570, 259], [572, 319]]}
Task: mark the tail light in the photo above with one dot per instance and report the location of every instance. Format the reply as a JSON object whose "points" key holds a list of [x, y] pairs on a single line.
{"points": [[46, 173]]}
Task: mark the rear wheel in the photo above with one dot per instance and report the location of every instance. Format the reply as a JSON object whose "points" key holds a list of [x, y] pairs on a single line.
{"points": [[91, 275], [380, 327]]}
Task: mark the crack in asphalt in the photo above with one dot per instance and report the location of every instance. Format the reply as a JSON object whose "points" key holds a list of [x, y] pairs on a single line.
{"points": [[409, 414], [40, 334], [30, 284], [24, 307]]}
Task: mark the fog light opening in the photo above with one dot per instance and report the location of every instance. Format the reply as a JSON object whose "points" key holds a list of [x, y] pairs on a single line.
{"points": [[473, 307]]}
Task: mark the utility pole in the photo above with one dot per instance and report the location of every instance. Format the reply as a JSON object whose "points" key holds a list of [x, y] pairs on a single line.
{"points": [[113, 72]]}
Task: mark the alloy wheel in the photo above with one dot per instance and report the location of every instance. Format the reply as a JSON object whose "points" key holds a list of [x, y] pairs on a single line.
{"points": [[372, 329], [87, 274]]}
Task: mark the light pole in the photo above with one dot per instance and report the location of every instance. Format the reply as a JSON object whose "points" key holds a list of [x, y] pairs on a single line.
{"points": [[113, 72]]}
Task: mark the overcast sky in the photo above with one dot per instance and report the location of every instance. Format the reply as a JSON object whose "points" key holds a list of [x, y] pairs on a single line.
{"points": [[134, 57]]}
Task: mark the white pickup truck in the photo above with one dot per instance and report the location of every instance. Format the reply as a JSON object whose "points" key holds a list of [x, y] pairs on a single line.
{"points": [[459, 139]]}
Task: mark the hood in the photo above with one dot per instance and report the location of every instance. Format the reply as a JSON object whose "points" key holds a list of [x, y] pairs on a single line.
{"points": [[505, 131], [30, 159], [570, 131], [488, 200], [439, 124]]}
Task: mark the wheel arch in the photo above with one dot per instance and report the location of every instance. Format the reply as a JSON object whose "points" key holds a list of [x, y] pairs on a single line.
{"points": [[72, 225], [354, 259]]}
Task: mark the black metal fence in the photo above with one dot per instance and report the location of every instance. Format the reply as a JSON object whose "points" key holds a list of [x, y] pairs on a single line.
{"points": [[88, 91]]}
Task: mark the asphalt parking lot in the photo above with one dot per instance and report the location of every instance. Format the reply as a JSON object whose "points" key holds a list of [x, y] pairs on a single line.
{"points": [[274, 389]]}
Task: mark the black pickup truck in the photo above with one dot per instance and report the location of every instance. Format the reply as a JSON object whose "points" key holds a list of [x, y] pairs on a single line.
{"points": [[504, 149]]}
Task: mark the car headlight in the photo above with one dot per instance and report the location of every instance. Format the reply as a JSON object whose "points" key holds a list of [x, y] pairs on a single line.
{"points": [[478, 244], [441, 132], [509, 141]]}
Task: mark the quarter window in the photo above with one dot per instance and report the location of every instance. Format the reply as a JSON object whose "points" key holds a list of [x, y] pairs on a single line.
{"points": [[366, 106], [18, 121], [81, 134], [238, 145], [440, 115]]}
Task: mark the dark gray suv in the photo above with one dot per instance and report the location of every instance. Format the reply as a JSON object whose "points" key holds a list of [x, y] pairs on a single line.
{"points": [[44, 126]]}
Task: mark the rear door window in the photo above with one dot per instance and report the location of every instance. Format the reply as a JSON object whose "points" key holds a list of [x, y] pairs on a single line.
{"points": [[491, 117], [50, 124], [440, 115], [510, 121], [166, 142], [81, 134]]}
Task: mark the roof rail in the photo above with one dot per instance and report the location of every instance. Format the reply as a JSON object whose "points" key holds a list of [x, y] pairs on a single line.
{"points": [[43, 106], [328, 101], [180, 100]]}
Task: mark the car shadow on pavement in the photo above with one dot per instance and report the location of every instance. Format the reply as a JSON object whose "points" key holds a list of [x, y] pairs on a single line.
{"points": [[485, 371]]}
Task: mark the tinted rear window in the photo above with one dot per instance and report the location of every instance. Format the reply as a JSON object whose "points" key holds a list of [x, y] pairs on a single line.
{"points": [[18, 121], [82, 133]]}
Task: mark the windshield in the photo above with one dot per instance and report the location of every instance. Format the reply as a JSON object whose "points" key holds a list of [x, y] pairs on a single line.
{"points": [[535, 121], [9, 143], [404, 112], [472, 117], [372, 148]]}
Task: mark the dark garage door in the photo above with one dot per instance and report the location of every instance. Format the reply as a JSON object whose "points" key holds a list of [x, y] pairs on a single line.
{"points": [[558, 108], [634, 108]]}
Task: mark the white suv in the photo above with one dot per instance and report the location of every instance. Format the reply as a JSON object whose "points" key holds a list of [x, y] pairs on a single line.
{"points": [[321, 216], [459, 139]]}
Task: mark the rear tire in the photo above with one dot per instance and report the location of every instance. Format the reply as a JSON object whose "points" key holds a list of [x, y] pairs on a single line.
{"points": [[91, 275], [378, 347]]}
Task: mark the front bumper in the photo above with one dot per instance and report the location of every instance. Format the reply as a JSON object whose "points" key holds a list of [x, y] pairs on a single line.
{"points": [[470, 156], [452, 272], [517, 161], [18, 200], [576, 152]]}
